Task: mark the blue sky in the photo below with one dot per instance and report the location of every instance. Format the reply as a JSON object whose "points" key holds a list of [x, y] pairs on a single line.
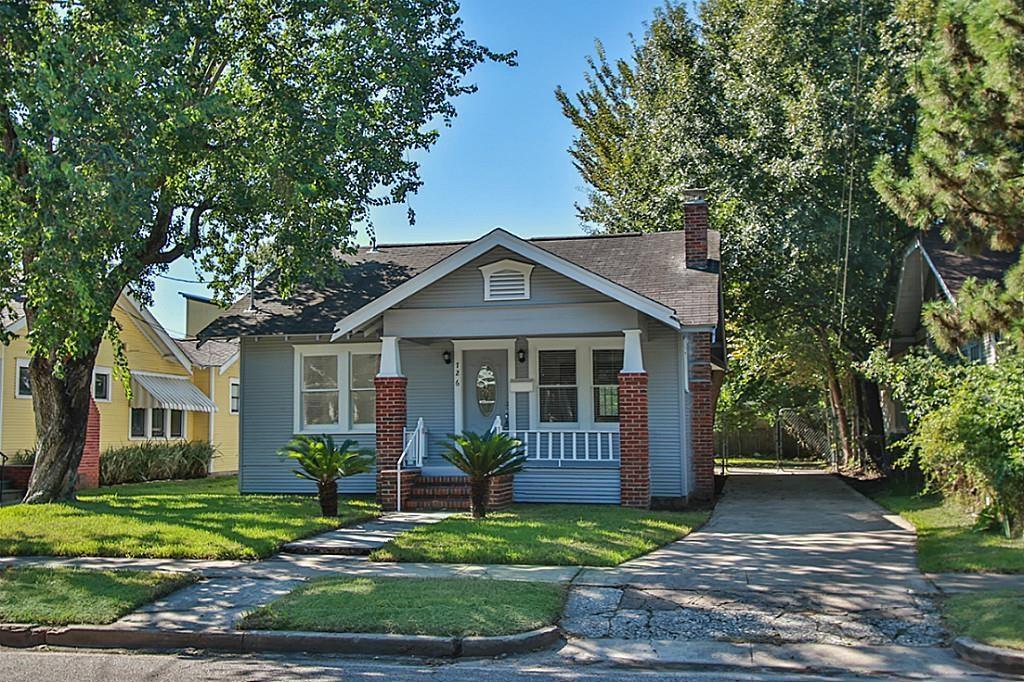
{"points": [[504, 160]]}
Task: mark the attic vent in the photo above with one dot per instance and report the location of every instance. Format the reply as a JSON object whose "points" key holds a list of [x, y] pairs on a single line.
{"points": [[506, 280]]}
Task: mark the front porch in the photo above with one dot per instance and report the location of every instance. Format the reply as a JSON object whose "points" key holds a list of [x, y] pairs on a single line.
{"points": [[578, 405]]}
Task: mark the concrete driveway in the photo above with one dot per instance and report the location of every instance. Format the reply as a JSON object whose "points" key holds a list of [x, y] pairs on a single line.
{"points": [[786, 558]]}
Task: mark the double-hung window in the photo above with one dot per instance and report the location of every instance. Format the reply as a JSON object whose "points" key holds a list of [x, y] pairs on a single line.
{"points": [[23, 388], [156, 422], [577, 383], [334, 388], [235, 396], [558, 398], [606, 367], [101, 384]]}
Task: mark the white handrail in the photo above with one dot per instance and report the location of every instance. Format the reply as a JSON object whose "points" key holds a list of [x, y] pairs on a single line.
{"points": [[496, 425], [415, 445]]}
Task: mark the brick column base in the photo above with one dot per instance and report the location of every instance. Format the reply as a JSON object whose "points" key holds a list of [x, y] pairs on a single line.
{"points": [[702, 418], [89, 467], [387, 488], [390, 421], [634, 453], [499, 494]]}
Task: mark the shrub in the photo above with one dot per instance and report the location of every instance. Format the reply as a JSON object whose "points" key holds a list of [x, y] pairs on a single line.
{"points": [[322, 462], [23, 457], [155, 461], [482, 457]]}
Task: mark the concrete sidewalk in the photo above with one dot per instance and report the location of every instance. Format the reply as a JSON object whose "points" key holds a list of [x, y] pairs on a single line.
{"points": [[361, 539]]}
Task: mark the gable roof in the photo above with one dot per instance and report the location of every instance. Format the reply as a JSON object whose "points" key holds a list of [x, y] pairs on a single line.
{"points": [[648, 266], [954, 267], [212, 353]]}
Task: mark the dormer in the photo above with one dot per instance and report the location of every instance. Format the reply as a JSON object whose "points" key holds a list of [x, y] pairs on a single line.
{"points": [[506, 280]]}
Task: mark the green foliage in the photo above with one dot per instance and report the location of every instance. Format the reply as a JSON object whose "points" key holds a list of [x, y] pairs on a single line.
{"points": [[543, 535], [203, 518], [965, 171], [446, 607], [155, 461], [24, 457], [921, 381], [65, 596], [483, 456], [323, 462]]}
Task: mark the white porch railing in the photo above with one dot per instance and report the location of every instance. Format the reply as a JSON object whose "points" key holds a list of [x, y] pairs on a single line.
{"points": [[559, 447], [412, 456]]}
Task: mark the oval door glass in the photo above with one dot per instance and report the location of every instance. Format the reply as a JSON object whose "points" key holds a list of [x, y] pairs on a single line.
{"points": [[486, 390]]}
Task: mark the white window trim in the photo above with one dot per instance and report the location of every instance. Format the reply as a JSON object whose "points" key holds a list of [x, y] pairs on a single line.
{"points": [[343, 353], [22, 362], [584, 347], [110, 384], [524, 269], [167, 424], [235, 383], [461, 345]]}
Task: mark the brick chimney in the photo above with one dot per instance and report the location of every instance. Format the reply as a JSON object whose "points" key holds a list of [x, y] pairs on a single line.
{"points": [[695, 226]]}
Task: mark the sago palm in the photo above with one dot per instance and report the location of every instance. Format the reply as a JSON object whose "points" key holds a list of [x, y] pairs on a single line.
{"points": [[324, 463], [481, 458]]}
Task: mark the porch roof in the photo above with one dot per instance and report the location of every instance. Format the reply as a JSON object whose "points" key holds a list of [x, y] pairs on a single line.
{"points": [[652, 265]]}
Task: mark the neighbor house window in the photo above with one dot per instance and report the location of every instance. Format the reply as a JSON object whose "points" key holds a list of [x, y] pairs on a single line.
{"points": [[138, 427], [362, 395], [320, 395], [156, 427], [558, 396], [177, 424], [101, 384], [607, 364], [24, 387], [334, 391], [235, 397]]}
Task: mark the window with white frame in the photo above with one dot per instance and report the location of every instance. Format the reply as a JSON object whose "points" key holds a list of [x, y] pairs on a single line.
{"points": [[235, 396], [335, 390], [558, 395], [101, 384], [606, 364], [156, 423], [506, 280], [23, 381]]}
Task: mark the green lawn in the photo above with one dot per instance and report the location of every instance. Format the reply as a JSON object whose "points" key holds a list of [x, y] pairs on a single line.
{"points": [[946, 542], [770, 463], [201, 519], [543, 534], [413, 606], [65, 596], [994, 617]]}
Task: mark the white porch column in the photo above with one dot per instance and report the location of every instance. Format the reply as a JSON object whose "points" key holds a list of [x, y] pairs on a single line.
{"points": [[390, 361], [632, 357]]}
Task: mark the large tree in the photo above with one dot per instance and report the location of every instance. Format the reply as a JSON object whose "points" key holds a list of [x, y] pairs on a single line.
{"points": [[138, 133], [779, 108], [966, 174]]}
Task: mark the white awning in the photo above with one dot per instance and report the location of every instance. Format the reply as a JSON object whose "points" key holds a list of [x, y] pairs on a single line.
{"points": [[173, 393]]}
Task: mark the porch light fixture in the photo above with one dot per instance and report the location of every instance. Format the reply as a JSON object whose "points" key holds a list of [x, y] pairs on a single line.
{"points": [[521, 355], [447, 357]]}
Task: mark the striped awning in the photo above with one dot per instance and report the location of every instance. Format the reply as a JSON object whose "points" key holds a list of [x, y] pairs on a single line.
{"points": [[173, 393]]}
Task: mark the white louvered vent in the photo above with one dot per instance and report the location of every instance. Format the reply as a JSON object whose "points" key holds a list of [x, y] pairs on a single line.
{"points": [[506, 280]]}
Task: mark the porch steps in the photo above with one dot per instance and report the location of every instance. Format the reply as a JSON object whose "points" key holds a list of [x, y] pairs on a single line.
{"points": [[435, 493]]}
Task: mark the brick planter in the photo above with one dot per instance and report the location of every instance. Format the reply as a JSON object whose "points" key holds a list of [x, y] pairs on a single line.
{"points": [[387, 489], [499, 495], [17, 475]]}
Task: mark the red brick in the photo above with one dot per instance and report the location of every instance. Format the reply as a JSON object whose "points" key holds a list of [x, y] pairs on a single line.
{"points": [[391, 419], [634, 454], [702, 417], [695, 227], [89, 466]]}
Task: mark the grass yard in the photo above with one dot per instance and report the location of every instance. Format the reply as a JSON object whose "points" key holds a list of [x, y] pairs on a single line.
{"points": [[67, 596], [450, 607], [543, 534], [769, 463], [995, 617], [946, 542], [199, 519]]}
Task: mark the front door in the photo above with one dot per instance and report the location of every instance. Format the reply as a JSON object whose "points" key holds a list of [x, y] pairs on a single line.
{"points": [[485, 389]]}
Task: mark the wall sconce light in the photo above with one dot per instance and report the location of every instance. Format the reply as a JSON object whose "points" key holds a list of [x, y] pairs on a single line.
{"points": [[521, 355], [447, 357]]}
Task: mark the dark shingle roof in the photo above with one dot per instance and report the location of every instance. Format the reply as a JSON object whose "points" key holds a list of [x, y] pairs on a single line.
{"points": [[955, 267], [212, 353], [652, 264]]}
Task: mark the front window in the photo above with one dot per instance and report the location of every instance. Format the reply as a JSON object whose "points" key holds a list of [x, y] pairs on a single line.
{"points": [[177, 424], [362, 394], [320, 395], [101, 385], [235, 397], [24, 388], [607, 364], [138, 422], [156, 429], [558, 396]]}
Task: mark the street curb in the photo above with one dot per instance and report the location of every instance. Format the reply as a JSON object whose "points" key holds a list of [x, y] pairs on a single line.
{"points": [[114, 637], [992, 657]]}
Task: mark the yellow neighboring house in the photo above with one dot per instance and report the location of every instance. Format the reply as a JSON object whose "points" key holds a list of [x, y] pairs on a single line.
{"points": [[178, 391]]}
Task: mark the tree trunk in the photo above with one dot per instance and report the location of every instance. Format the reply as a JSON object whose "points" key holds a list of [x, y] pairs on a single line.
{"points": [[61, 407], [328, 495], [875, 440], [478, 497], [842, 424]]}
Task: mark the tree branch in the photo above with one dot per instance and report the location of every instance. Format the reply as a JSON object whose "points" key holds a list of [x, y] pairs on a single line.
{"points": [[191, 242]]}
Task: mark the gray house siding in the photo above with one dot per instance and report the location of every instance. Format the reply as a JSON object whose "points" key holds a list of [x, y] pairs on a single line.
{"points": [[594, 486], [429, 393], [661, 350], [266, 372]]}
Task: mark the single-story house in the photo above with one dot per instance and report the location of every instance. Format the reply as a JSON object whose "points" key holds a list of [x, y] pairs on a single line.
{"points": [[602, 354], [935, 270]]}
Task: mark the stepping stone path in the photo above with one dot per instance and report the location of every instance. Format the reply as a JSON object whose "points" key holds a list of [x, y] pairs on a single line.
{"points": [[363, 539]]}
